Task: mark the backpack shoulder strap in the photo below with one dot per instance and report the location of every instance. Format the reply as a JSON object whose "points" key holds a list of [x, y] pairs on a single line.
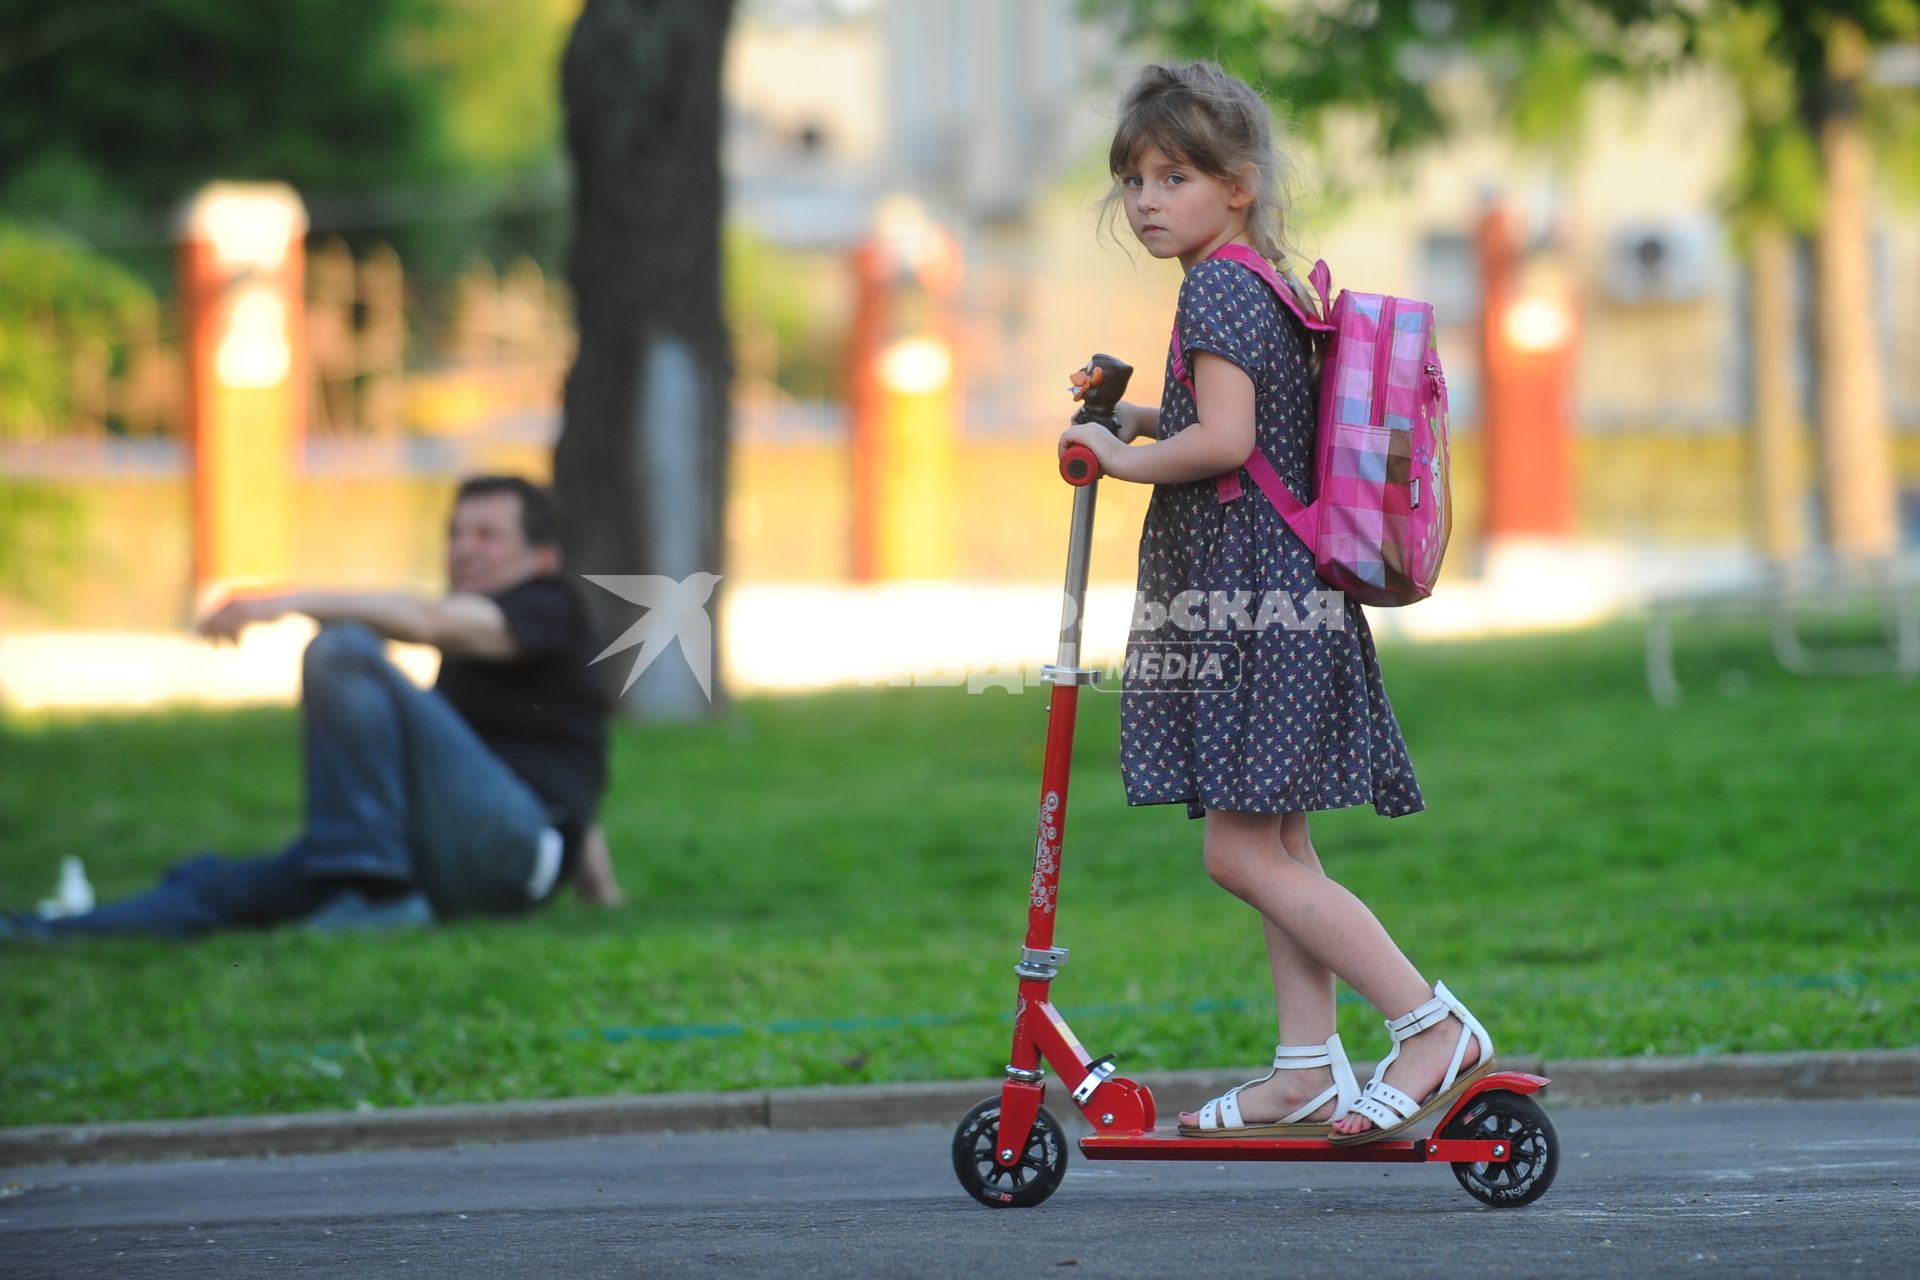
{"points": [[1291, 295], [1227, 486]]}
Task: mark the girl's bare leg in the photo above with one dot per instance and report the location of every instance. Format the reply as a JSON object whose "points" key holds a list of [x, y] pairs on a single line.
{"points": [[1303, 989], [1328, 928], [1302, 986]]}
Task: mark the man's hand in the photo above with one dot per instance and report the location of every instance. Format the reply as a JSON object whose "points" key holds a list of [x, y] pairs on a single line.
{"points": [[236, 613]]}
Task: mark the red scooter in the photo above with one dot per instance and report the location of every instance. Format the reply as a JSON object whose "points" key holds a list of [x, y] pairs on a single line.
{"points": [[1010, 1152]]}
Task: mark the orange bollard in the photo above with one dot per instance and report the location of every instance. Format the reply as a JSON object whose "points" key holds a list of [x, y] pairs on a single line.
{"points": [[241, 261], [1528, 342], [903, 398]]}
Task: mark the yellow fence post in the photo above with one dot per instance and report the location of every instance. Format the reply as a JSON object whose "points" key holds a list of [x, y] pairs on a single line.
{"points": [[240, 256], [916, 523]]}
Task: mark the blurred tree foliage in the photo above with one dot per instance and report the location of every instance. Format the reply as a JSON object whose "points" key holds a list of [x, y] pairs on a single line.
{"points": [[1777, 57], [132, 104], [786, 298], [56, 296], [433, 123], [498, 62], [1401, 64]]}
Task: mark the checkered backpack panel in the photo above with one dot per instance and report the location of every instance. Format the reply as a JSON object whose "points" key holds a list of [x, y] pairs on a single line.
{"points": [[1382, 508]]}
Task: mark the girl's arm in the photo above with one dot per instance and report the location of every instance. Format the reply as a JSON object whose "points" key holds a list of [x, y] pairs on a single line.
{"points": [[1138, 421], [1220, 441]]}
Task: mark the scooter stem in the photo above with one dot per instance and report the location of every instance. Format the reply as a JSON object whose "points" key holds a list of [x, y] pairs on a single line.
{"points": [[1079, 555], [1040, 1034], [1064, 680], [1098, 388]]}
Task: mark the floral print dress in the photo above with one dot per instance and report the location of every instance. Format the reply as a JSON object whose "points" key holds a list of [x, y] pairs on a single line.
{"points": [[1249, 684]]}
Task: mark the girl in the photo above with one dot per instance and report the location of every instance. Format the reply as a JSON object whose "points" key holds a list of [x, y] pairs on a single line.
{"points": [[1253, 719]]}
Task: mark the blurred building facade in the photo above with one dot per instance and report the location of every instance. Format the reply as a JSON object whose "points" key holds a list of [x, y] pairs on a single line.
{"points": [[994, 116]]}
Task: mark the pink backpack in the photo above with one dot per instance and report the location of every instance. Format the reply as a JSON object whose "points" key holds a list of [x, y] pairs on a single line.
{"points": [[1382, 509]]}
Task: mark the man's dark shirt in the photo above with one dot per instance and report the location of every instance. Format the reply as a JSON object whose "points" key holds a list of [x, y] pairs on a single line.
{"points": [[543, 712]]}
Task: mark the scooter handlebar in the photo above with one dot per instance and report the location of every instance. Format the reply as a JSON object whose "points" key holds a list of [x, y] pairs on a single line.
{"points": [[1079, 466]]}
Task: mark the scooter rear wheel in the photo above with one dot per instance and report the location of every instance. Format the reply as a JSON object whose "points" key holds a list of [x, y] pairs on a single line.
{"points": [[1025, 1183], [1533, 1149]]}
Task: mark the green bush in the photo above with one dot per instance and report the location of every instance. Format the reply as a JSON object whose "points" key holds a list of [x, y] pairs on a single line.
{"points": [[57, 296]]}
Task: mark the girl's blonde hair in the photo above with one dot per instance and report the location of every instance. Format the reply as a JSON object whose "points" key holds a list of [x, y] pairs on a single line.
{"points": [[1200, 115]]}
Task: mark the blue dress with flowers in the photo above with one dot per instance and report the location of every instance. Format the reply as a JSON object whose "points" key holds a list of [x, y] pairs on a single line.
{"points": [[1250, 685]]}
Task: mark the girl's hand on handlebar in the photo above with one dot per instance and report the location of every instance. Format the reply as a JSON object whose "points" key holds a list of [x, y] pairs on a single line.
{"points": [[1136, 421], [1104, 444]]}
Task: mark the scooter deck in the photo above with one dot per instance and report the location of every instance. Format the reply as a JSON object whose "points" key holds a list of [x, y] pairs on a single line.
{"points": [[1171, 1144]]}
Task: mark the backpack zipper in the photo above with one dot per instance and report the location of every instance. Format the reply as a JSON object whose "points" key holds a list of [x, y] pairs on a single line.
{"points": [[1437, 382], [1382, 356]]}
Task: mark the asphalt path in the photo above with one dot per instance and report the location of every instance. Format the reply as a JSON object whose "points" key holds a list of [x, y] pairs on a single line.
{"points": [[1760, 1189]]}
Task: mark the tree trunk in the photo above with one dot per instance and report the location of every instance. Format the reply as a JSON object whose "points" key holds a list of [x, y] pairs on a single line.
{"points": [[1855, 449], [641, 464], [1779, 469]]}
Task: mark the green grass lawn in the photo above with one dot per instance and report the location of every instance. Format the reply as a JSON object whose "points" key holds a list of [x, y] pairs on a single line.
{"points": [[831, 889]]}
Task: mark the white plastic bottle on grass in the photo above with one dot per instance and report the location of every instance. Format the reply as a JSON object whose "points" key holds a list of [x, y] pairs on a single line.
{"points": [[73, 897]]}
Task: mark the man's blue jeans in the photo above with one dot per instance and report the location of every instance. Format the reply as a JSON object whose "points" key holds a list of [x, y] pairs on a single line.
{"points": [[401, 795]]}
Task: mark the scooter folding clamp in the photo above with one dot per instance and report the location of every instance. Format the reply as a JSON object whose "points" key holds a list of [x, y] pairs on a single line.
{"points": [[1040, 965], [1097, 1071], [1051, 674]]}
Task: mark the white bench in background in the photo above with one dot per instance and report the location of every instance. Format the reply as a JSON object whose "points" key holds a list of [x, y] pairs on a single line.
{"points": [[1787, 594]]}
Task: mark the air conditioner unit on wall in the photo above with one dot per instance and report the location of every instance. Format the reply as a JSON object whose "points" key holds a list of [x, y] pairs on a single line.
{"points": [[1665, 261]]}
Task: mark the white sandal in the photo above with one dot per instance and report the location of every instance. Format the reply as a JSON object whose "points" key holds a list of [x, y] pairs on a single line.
{"points": [[1393, 1111], [1220, 1118]]}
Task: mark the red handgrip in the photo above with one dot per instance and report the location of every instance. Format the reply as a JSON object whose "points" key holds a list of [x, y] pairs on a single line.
{"points": [[1079, 465]]}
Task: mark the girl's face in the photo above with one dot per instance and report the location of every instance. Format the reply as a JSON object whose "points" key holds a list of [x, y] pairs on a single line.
{"points": [[1178, 211]]}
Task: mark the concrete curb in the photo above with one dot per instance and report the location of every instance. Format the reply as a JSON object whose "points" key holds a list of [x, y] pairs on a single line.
{"points": [[1864, 1073]]}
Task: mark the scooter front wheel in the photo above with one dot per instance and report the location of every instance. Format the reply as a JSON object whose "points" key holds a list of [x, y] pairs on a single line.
{"points": [[1024, 1183], [1533, 1149]]}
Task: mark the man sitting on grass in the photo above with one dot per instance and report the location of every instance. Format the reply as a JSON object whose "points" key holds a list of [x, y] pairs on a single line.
{"points": [[475, 797]]}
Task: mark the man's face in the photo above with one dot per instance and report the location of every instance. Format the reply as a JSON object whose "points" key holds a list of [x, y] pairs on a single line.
{"points": [[487, 547]]}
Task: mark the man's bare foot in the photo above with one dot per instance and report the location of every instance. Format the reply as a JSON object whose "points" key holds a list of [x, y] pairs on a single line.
{"points": [[1285, 1093], [594, 878], [1421, 1066]]}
